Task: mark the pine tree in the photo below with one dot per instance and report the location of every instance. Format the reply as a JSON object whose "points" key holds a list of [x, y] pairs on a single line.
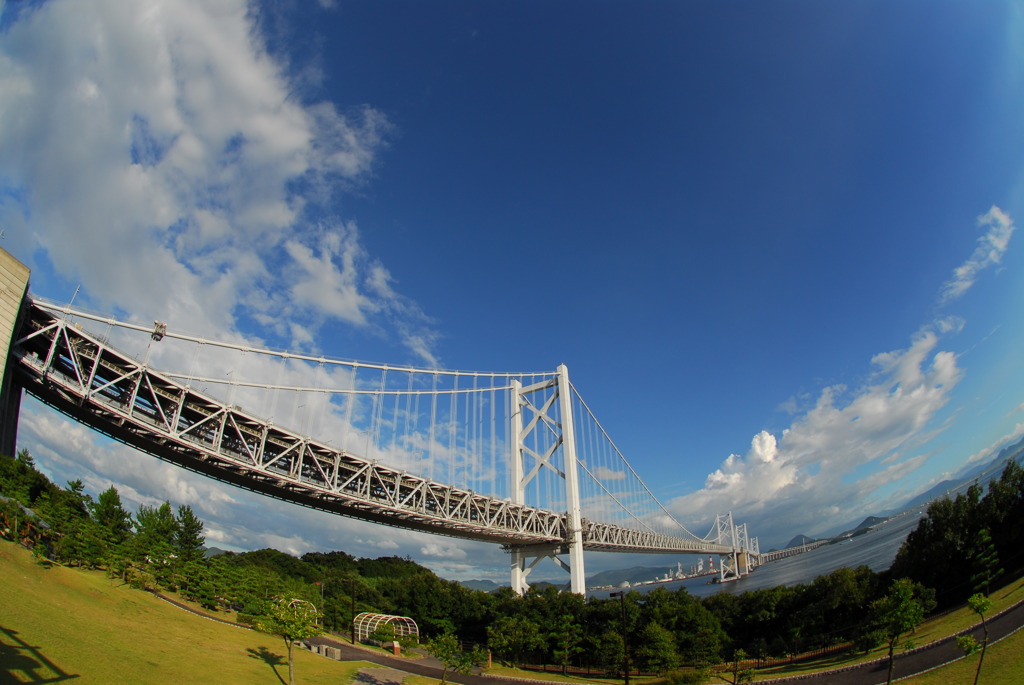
{"points": [[109, 512], [188, 537]]}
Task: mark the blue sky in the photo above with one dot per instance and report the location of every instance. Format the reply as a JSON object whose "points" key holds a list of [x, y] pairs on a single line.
{"points": [[773, 242]]}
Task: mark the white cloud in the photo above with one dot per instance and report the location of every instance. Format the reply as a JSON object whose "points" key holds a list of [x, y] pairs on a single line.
{"points": [[826, 466], [327, 277], [443, 551], [156, 152], [604, 473], [383, 544], [989, 252]]}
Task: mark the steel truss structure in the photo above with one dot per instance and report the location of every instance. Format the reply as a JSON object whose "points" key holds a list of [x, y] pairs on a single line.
{"points": [[115, 394], [84, 377]]}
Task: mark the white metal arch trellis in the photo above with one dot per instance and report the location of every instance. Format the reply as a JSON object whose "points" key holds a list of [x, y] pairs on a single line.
{"points": [[367, 623]]}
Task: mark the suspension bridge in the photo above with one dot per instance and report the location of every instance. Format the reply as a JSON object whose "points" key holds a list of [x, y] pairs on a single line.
{"points": [[517, 459]]}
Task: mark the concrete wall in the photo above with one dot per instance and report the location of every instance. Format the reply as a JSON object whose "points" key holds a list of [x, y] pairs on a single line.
{"points": [[13, 286]]}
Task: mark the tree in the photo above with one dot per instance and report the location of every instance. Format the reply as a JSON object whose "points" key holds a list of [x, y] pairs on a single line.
{"points": [[657, 650], [611, 652], [383, 634], [514, 637], [19, 478], [566, 641], [78, 539], [933, 553], [188, 538], [109, 512], [897, 613], [155, 531], [447, 649], [291, 619], [981, 605], [738, 674], [986, 560], [699, 634]]}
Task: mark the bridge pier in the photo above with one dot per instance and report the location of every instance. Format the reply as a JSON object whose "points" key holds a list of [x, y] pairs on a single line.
{"points": [[526, 557], [557, 394], [13, 288]]}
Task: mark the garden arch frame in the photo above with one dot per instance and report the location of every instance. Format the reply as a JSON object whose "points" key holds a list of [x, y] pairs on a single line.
{"points": [[366, 623]]}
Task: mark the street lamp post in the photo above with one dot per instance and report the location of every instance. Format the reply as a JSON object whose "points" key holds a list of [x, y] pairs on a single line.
{"points": [[352, 593], [625, 632]]}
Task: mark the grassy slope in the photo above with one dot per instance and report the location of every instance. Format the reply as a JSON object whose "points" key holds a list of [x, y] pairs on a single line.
{"points": [[58, 623]]}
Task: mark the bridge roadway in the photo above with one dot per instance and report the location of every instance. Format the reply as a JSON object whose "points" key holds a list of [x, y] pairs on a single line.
{"points": [[792, 551], [86, 379]]}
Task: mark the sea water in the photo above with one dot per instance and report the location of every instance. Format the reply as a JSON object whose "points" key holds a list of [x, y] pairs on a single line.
{"points": [[875, 549]]}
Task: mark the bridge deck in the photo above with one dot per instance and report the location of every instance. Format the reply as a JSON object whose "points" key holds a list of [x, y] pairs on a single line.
{"points": [[85, 378]]}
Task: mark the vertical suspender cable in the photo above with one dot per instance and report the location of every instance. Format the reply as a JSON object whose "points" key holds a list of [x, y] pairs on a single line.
{"points": [[373, 430], [350, 400], [433, 430], [494, 442], [415, 423], [452, 444]]}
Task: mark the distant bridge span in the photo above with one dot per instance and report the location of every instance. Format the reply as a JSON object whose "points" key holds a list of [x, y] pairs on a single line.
{"points": [[86, 378]]}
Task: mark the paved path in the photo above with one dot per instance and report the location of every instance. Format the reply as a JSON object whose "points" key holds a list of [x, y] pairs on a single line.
{"points": [[427, 666], [915, 661]]}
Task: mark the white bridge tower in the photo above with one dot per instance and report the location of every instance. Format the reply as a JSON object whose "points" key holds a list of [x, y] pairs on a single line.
{"points": [[543, 412]]}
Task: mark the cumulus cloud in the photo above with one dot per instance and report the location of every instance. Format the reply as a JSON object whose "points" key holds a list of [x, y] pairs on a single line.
{"points": [[989, 252], [383, 544], [158, 154], [443, 551], [812, 475]]}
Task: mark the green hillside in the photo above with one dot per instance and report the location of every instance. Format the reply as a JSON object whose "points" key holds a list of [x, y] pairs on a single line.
{"points": [[60, 624]]}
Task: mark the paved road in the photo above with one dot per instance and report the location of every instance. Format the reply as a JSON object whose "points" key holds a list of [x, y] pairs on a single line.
{"points": [[426, 666], [916, 661], [871, 673]]}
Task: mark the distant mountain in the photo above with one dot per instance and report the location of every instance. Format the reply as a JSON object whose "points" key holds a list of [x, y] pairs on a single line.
{"points": [[861, 528], [213, 551], [982, 473], [870, 522], [637, 574], [934, 493], [994, 468], [481, 585], [799, 541]]}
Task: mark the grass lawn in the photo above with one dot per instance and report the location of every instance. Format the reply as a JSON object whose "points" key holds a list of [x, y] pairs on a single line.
{"points": [[63, 624]]}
